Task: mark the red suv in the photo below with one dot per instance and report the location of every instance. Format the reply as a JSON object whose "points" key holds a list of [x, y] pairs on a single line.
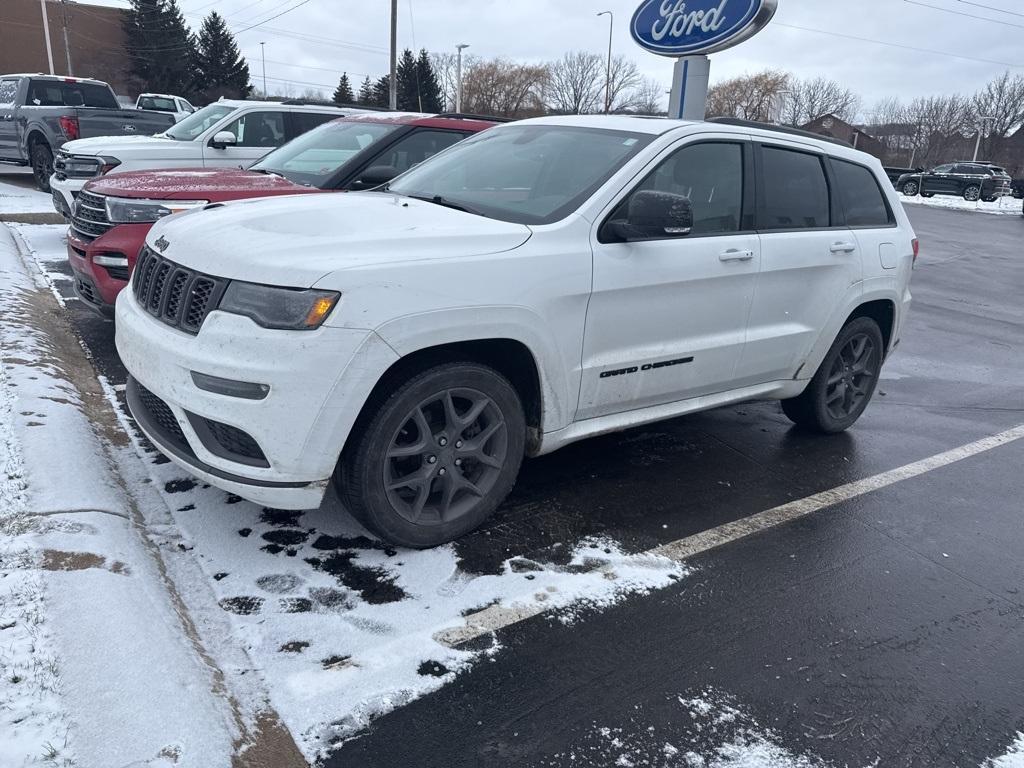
{"points": [[112, 214]]}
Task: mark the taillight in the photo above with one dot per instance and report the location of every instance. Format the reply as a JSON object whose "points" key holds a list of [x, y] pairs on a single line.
{"points": [[917, 248], [70, 127]]}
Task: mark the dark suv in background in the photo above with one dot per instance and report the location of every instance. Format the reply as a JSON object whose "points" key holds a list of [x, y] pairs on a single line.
{"points": [[971, 181]]}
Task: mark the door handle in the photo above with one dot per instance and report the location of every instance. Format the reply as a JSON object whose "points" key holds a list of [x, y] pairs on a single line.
{"points": [[735, 255], [843, 248]]}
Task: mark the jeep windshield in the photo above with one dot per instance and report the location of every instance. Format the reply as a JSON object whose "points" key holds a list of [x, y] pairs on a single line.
{"points": [[529, 174], [316, 156], [196, 123]]}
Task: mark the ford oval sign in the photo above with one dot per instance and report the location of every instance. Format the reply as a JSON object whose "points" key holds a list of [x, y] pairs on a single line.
{"points": [[697, 27]]}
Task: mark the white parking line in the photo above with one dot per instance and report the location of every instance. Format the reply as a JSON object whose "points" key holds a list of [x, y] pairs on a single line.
{"points": [[497, 617]]}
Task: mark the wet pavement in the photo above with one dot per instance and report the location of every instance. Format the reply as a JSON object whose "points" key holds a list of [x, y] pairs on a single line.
{"points": [[886, 628]]}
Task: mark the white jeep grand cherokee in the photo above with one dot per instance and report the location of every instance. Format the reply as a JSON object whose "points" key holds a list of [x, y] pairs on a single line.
{"points": [[542, 282]]}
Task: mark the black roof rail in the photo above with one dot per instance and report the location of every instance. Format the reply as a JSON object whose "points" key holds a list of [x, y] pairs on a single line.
{"points": [[470, 116], [778, 129], [310, 103]]}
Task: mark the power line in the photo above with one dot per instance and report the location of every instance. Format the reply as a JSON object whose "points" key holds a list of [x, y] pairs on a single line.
{"points": [[991, 8], [898, 45], [275, 16], [966, 15]]}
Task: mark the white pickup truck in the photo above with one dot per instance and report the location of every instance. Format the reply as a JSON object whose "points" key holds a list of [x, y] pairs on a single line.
{"points": [[165, 102], [223, 134]]}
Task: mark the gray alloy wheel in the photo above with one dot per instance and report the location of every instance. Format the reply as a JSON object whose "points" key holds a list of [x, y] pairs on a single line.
{"points": [[433, 454], [972, 193], [843, 385], [42, 165], [911, 188]]}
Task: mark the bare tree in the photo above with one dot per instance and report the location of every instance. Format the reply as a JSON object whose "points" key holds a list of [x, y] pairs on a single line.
{"points": [[625, 80], [1003, 101], [940, 124], [576, 84], [808, 100], [649, 97], [503, 87], [748, 97]]}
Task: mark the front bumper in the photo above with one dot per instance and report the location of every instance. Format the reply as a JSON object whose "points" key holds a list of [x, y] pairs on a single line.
{"points": [[67, 190], [99, 285], [317, 380]]}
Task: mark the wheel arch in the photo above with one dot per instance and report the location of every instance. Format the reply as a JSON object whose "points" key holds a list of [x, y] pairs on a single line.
{"points": [[510, 357], [883, 312], [36, 136]]}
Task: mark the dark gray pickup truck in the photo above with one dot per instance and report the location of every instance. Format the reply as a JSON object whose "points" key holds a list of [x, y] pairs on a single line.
{"points": [[38, 113]]}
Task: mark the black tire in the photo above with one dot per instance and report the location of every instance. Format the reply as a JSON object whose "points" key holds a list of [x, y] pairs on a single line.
{"points": [[911, 188], [388, 446], [42, 165], [972, 193], [817, 409]]}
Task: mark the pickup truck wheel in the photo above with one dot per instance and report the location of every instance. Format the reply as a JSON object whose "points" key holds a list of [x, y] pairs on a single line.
{"points": [[972, 193], [42, 165], [910, 189], [844, 383], [436, 458]]}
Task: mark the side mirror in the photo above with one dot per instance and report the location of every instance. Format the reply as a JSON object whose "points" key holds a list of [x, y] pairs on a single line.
{"points": [[223, 139], [654, 215], [374, 176]]}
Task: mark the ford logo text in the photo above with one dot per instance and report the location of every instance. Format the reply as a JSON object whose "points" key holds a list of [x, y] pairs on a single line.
{"points": [[697, 27]]}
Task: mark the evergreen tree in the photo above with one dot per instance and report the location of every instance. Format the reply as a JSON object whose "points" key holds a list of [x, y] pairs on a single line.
{"points": [[366, 91], [343, 93], [160, 46], [431, 98], [408, 85], [220, 69], [380, 95]]}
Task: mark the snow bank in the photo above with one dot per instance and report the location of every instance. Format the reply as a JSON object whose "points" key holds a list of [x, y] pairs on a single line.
{"points": [[1014, 757], [1003, 206], [15, 198]]}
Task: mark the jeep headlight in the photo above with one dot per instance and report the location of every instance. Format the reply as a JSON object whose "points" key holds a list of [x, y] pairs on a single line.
{"points": [[293, 309], [125, 210]]}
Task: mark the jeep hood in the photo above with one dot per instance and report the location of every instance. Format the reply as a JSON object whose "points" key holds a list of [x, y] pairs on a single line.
{"points": [[296, 241], [214, 184]]}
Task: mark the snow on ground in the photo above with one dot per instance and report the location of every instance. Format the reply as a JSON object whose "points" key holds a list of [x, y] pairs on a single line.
{"points": [[21, 197], [1005, 205], [1014, 757], [96, 668], [707, 730]]}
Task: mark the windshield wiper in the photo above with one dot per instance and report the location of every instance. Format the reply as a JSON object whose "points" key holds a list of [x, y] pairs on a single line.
{"points": [[438, 200]]}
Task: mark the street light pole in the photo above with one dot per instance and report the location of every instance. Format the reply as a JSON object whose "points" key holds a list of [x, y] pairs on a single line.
{"points": [[263, 54], [981, 129], [458, 77], [608, 73], [393, 88], [46, 33], [67, 45]]}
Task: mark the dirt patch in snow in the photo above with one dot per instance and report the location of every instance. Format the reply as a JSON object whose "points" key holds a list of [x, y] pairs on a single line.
{"points": [[56, 560]]}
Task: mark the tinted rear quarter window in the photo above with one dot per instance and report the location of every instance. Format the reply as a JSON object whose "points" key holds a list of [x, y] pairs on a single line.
{"points": [[862, 198], [307, 121], [795, 193]]}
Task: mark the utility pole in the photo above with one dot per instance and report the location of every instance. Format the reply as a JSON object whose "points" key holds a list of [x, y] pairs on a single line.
{"points": [[608, 74], [393, 88], [981, 130], [46, 32], [67, 46], [263, 54], [458, 77]]}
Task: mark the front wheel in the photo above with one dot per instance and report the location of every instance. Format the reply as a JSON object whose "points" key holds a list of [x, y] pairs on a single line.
{"points": [[972, 194], [844, 383], [42, 165], [436, 458]]}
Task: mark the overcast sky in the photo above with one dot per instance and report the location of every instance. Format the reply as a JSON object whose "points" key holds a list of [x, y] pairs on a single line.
{"points": [[353, 36]]}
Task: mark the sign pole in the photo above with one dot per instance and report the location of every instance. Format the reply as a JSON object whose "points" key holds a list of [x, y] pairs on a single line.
{"points": [[689, 97]]}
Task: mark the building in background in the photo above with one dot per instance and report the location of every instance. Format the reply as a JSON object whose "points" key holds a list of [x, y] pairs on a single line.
{"points": [[835, 128], [95, 38]]}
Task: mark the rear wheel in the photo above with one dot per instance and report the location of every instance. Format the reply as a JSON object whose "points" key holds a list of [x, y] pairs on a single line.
{"points": [[42, 165], [844, 383], [972, 193], [436, 458], [911, 188]]}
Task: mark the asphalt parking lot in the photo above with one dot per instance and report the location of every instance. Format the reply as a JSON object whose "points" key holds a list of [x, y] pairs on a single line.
{"points": [[883, 629]]}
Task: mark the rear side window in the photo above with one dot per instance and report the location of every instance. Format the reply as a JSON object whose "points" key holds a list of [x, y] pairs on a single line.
{"points": [[55, 93], [300, 122], [8, 91], [795, 193], [862, 198]]}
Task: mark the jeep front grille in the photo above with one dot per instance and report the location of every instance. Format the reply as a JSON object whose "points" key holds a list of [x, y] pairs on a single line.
{"points": [[175, 295]]}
